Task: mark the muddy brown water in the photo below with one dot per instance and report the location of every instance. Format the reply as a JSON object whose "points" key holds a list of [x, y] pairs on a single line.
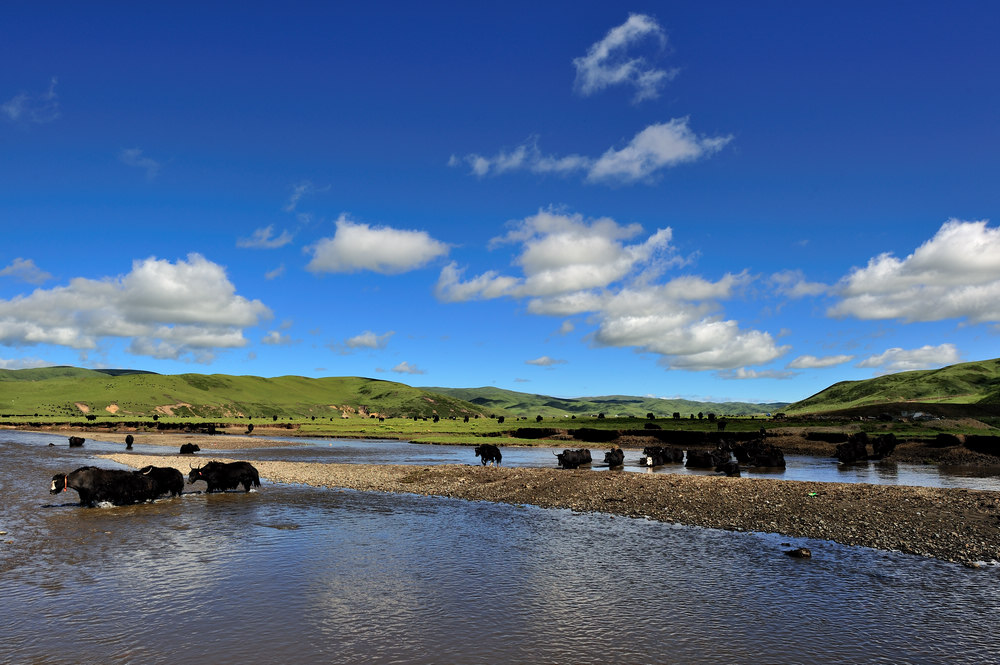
{"points": [[305, 575]]}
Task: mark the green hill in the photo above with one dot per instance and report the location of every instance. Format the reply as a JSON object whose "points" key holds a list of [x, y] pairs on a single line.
{"points": [[527, 404], [974, 385], [70, 391]]}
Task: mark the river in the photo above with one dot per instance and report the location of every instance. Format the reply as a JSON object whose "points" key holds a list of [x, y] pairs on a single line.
{"points": [[304, 575]]}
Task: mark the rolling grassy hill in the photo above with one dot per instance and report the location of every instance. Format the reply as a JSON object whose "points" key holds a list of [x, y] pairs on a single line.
{"points": [[71, 391], [527, 404], [974, 385]]}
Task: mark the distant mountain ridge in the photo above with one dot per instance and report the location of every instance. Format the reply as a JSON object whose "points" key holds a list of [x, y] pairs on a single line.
{"points": [[973, 385], [530, 404], [72, 391]]}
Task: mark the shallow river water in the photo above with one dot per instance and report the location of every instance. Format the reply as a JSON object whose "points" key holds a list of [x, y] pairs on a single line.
{"points": [[303, 575]]}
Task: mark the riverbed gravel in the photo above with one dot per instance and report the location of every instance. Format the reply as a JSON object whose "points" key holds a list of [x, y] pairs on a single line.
{"points": [[956, 525]]}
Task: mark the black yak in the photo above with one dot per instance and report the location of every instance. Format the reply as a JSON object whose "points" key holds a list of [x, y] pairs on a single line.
{"points": [[222, 476], [96, 485], [487, 452], [572, 459], [168, 480], [615, 457], [190, 448], [76, 441]]}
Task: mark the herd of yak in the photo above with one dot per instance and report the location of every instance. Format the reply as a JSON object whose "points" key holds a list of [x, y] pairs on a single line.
{"points": [[725, 458], [95, 485]]}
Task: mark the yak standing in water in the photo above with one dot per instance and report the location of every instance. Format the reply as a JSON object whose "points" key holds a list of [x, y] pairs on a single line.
{"points": [[222, 476], [189, 448], [487, 452], [76, 441], [96, 485], [167, 479], [614, 458], [573, 459]]}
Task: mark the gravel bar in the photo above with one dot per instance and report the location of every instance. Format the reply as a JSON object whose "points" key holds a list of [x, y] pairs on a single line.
{"points": [[956, 525]]}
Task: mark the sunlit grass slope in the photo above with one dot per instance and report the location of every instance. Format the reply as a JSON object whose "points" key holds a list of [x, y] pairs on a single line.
{"points": [[67, 391], [966, 383]]}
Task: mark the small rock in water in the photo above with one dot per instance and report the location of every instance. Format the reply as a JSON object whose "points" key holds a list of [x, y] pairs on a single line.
{"points": [[799, 553]]}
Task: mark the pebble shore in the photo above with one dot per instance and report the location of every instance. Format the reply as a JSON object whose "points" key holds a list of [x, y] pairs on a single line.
{"points": [[956, 525]]}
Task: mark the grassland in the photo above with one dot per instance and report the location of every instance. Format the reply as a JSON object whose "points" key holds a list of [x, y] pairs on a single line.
{"points": [[619, 406], [975, 385], [70, 392]]}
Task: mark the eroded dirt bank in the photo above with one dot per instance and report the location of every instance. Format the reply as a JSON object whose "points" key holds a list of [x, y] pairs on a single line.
{"points": [[951, 524]]}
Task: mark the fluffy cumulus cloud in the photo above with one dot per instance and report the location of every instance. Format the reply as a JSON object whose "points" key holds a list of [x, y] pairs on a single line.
{"points": [[901, 360], [385, 250], [36, 107], [655, 148], [264, 238], [812, 362], [954, 275], [573, 266], [26, 271], [167, 310], [609, 63]]}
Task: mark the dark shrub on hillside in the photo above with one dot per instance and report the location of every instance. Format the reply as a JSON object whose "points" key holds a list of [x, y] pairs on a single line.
{"points": [[652, 426], [680, 437], [981, 443], [534, 432], [829, 437], [594, 435]]}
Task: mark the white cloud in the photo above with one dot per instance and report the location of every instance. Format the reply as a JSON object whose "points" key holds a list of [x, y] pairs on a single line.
{"points": [[26, 271], [187, 308], [575, 266], [406, 368], [274, 274], [655, 148], [607, 62], [383, 250], [369, 340], [38, 107], [901, 360], [298, 191], [276, 338], [545, 361], [744, 373], [792, 283], [264, 239], [23, 363], [812, 362], [560, 254], [134, 157], [566, 328], [955, 274]]}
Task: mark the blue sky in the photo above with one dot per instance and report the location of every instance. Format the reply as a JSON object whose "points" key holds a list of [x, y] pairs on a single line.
{"points": [[727, 201]]}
